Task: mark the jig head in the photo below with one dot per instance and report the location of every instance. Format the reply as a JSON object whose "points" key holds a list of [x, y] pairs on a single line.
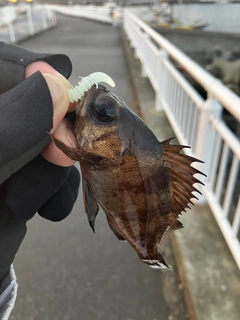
{"points": [[86, 83]]}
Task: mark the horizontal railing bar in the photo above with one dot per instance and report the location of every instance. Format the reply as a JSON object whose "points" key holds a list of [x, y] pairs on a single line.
{"points": [[212, 85]]}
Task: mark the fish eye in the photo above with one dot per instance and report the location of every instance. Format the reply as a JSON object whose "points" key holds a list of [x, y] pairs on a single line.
{"points": [[104, 110]]}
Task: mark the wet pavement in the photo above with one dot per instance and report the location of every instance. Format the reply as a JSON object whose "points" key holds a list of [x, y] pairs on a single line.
{"points": [[64, 270]]}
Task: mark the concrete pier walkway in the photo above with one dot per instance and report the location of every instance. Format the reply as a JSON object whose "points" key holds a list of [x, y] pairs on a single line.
{"points": [[64, 270]]}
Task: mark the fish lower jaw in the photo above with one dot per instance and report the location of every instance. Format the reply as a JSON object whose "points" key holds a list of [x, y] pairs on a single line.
{"points": [[155, 264]]}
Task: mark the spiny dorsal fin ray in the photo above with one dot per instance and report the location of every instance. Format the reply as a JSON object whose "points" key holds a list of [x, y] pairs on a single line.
{"points": [[184, 160], [181, 176], [183, 180]]}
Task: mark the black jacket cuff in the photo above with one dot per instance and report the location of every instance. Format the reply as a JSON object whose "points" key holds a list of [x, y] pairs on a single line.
{"points": [[14, 59], [26, 118]]}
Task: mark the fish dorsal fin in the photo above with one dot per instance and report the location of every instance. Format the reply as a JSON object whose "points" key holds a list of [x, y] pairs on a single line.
{"points": [[90, 204], [181, 176]]}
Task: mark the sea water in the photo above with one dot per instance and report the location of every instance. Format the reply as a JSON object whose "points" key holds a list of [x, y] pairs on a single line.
{"points": [[219, 17]]}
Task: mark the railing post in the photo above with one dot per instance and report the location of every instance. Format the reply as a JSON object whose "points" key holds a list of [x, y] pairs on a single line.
{"points": [[11, 32], [143, 60], [53, 18], [44, 18], [206, 135], [30, 20], [161, 80], [135, 53]]}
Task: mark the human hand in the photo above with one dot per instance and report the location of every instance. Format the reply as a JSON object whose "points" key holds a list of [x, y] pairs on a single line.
{"points": [[62, 128], [33, 103], [35, 176], [28, 112]]}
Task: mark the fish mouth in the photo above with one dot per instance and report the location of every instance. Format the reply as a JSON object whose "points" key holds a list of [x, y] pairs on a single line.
{"points": [[71, 117]]}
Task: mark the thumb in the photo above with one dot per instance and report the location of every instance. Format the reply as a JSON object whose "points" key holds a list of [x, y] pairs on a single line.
{"points": [[65, 134], [61, 127], [59, 93]]}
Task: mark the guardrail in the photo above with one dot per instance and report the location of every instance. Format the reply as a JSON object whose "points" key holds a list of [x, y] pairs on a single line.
{"points": [[97, 13], [195, 121], [16, 23]]}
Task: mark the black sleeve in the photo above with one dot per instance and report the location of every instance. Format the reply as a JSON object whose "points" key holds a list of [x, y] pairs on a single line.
{"points": [[14, 59], [25, 106], [38, 187], [26, 118], [30, 188], [11, 238], [28, 183]]}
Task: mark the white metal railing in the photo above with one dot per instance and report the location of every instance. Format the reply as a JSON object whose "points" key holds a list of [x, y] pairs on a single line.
{"points": [[96, 13], [195, 121], [18, 22]]}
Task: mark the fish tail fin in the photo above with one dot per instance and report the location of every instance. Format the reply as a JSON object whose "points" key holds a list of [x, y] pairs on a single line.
{"points": [[154, 260]]}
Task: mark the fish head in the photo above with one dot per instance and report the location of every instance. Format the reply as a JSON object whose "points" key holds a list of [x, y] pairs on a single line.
{"points": [[103, 124]]}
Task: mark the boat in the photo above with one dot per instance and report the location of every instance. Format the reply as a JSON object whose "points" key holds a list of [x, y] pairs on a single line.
{"points": [[162, 16]]}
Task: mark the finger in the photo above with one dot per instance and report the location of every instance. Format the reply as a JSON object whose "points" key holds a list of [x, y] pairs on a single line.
{"points": [[60, 99], [58, 86], [65, 133], [44, 67]]}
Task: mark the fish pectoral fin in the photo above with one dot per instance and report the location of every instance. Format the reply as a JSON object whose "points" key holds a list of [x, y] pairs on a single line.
{"points": [[90, 204], [72, 153], [78, 154], [118, 235], [114, 226], [181, 177]]}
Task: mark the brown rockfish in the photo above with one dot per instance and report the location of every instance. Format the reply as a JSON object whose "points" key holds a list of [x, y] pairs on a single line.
{"points": [[141, 184]]}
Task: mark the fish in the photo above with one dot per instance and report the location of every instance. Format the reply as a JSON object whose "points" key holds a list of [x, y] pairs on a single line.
{"points": [[141, 184]]}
